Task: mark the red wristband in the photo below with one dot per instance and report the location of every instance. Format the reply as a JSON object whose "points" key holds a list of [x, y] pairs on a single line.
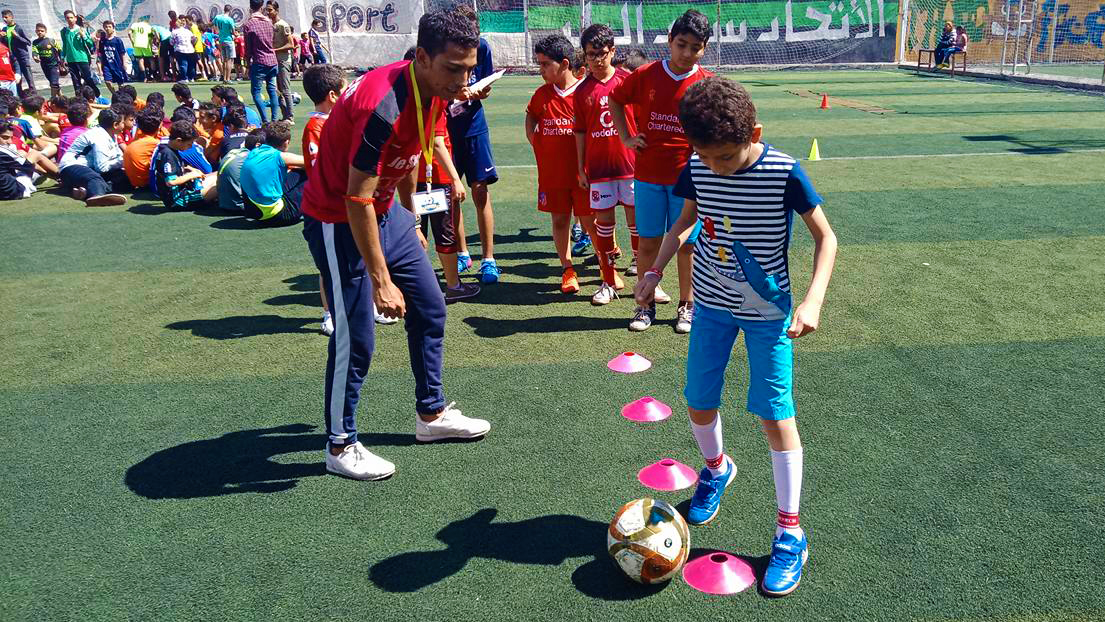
{"points": [[659, 274], [361, 200]]}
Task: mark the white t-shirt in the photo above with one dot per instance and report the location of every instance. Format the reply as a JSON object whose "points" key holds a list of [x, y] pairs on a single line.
{"points": [[182, 41]]}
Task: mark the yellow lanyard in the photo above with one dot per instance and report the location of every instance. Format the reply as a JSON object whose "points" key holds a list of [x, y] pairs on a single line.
{"points": [[423, 142]]}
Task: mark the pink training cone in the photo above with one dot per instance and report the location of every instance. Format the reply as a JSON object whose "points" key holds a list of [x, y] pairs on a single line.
{"points": [[646, 410], [667, 474], [718, 572], [629, 363]]}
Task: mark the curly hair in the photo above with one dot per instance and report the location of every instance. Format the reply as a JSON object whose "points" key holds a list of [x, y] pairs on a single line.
{"points": [[437, 29], [691, 23], [716, 111], [598, 36]]}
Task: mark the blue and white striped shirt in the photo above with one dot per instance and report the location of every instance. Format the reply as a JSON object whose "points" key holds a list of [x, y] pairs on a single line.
{"points": [[754, 205]]}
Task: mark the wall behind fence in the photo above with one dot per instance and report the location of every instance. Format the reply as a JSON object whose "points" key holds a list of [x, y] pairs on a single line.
{"points": [[372, 32]]}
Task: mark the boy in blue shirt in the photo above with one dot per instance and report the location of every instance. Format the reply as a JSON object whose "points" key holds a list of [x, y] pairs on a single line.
{"points": [[745, 195], [272, 193], [181, 187], [112, 53]]}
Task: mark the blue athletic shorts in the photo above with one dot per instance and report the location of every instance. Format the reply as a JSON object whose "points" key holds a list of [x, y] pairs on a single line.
{"points": [[770, 362], [657, 210], [473, 159], [114, 74]]}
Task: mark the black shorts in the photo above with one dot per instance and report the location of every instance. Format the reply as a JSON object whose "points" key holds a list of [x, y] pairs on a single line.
{"points": [[53, 75], [443, 224], [10, 188]]}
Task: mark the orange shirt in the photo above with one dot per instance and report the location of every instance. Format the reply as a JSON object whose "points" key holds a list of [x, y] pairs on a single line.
{"points": [[554, 144], [656, 92], [211, 152], [312, 133], [136, 159]]}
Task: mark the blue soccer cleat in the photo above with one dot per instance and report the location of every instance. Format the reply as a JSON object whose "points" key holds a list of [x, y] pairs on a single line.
{"points": [[489, 271], [464, 262], [784, 569], [577, 232], [706, 500], [582, 246]]}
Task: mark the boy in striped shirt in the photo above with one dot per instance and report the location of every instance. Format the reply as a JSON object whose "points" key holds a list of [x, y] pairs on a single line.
{"points": [[745, 193]]}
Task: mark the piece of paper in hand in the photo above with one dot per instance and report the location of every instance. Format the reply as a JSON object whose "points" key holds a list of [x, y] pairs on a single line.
{"points": [[486, 82]]}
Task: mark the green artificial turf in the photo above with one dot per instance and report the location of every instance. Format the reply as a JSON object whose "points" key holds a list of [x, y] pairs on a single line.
{"points": [[161, 394]]}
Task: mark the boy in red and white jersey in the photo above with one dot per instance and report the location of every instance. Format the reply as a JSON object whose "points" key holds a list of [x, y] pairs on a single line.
{"points": [[605, 165], [550, 117], [653, 93]]}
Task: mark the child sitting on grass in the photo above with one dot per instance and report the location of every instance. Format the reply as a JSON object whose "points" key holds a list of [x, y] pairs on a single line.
{"points": [[181, 187], [272, 192], [92, 167], [745, 195]]}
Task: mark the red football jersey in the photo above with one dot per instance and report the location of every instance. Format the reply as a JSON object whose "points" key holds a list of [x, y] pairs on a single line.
{"points": [[606, 158], [7, 72], [554, 143], [439, 175], [374, 128], [312, 134], [655, 93]]}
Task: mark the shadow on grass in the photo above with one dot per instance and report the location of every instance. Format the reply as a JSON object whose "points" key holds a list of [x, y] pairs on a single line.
{"points": [[239, 326], [546, 540], [1039, 147], [307, 300], [523, 236], [492, 328], [237, 462], [303, 283]]}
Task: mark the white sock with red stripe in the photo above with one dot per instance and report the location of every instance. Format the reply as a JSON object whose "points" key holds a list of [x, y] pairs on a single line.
{"points": [[787, 467], [709, 443]]}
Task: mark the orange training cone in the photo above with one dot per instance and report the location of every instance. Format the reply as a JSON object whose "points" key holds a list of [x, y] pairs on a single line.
{"points": [[824, 101]]}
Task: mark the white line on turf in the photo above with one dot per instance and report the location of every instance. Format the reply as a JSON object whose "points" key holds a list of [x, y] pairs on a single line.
{"points": [[906, 156]]}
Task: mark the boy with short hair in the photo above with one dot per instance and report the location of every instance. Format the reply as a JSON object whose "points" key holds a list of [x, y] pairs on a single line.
{"points": [[183, 96], [127, 113], [605, 166], [139, 153], [272, 192], [92, 167], [653, 92], [48, 54], [112, 52], [550, 116], [75, 46], [19, 44], [745, 194], [229, 185], [234, 130], [17, 172], [181, 187], [77, 114], [211, 122]]}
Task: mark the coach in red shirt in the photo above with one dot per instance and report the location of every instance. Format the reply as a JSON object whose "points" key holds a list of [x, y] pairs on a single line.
{"points": [[368, 247]]}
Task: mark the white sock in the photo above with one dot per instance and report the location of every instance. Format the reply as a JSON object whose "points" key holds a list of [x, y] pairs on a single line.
{"points": [[709, 443], [787, 467]]}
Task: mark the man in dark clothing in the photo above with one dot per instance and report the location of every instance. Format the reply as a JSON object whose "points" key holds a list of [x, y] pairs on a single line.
{"points": [[20, 45]]}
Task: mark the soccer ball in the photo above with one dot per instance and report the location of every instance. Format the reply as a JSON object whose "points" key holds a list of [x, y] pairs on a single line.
{"points": [[649, 540], [296, 98]]}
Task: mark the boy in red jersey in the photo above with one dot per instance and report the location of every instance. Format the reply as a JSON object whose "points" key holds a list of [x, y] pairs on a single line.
{"points": [[549, 120], [605, 166], [654, 91], [367, 247]]}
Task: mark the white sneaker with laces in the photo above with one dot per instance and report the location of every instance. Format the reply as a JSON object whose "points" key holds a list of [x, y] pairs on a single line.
{"points": [[356, 462], [684, 316], [327, 324], [642, 319], [605, 294], [451, 424], [382, 319], [661, 297]]}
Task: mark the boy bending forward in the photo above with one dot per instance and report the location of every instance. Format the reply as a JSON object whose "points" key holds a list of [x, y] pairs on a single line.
{"points": [[741, 283]]}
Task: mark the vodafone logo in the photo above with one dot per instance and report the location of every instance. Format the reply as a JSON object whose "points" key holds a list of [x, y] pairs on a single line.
{"points": [[606, 119]]}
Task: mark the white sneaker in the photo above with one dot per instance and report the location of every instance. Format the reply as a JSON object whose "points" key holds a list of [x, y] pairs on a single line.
{"points": [[356, 462], [327, 325], [605, 294], [684, 316], [661, 297], [451, 424], [631, 270], [382, 319], [642, 319]]}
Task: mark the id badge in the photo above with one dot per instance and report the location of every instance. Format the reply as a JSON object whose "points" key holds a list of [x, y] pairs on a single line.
{"points": [[456, 108], [431, 202]]}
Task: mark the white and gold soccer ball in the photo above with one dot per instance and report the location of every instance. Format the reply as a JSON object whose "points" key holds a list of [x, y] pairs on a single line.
{"points": [[649, 540]]}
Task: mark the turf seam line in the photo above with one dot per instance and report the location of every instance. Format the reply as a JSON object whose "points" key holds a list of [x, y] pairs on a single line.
{"points": [[906, 156]]}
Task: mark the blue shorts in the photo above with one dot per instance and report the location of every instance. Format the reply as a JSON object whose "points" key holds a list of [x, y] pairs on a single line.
{"points": [[657, 210], [770, 362], [115, 75], [473, 159]]}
